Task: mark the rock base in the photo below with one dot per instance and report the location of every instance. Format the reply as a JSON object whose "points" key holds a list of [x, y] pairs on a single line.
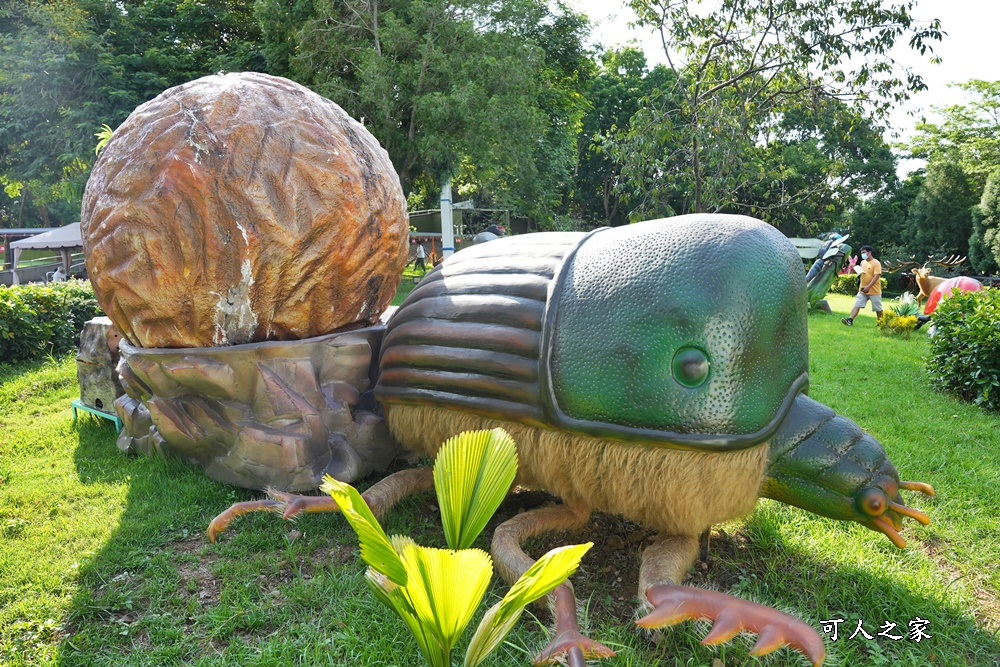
{"points": [[263, 415], [95, 365]]}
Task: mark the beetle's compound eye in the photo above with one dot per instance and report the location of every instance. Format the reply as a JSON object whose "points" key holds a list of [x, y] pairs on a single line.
{"points": [[690, 367], [872, 502]]}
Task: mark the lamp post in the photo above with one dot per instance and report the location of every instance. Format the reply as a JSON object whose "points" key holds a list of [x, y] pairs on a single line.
{"points": [[447, 227]]}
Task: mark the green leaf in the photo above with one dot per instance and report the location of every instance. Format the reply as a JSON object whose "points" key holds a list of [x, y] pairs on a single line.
{"points": [[541, 578], [472, 475], [395, 598], [444, 587], [548, 572], [103, 136], [490, 633], [376, 550]]}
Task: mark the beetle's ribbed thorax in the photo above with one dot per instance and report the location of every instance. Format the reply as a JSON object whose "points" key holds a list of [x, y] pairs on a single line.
{"points": [[469, 335]]}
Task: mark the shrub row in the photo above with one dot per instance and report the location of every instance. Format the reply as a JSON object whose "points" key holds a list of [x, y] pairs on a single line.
{"points": [[848, 284], [44, 319], [965, 350]]}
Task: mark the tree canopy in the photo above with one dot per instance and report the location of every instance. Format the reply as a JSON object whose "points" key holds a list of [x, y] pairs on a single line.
{"points": [[956, 209], [487, 93], [941, 214], [67, 67], [968, 134], [771, 109], [984, 244], [615, 94], [740, 67]]}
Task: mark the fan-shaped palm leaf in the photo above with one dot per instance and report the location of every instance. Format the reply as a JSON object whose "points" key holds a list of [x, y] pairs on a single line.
{"points": [[444, 587], [472, 475], [395, 598]]}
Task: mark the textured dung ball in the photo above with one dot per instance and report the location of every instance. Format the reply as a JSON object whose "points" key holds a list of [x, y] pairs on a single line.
{"points": [[242, 208]]}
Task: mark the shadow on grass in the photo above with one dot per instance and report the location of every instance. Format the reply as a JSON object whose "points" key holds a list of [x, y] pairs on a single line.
{"points": [[754, 561], [120, 614], [271, 593], [759, 561], [158, 594]]}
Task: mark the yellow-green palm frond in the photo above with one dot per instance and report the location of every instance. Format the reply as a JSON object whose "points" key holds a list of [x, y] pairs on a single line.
{"points": [[395, 598], [541, 578], [472, 475], [376, 550], [445, 587]]}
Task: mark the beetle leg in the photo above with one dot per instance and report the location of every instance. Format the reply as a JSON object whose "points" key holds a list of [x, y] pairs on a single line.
{"points": [[667, 560], [664, 564], [380, 497], [222, 521], [512, 562]]}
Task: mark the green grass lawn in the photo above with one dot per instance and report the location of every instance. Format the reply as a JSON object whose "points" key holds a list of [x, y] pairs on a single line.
{"points": [[103, 559], [410, 279]]}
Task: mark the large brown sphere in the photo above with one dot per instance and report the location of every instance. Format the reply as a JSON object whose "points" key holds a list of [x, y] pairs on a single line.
{"points": [[242, 208]]}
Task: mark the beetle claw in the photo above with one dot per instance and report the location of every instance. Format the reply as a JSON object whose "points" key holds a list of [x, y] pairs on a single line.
{"points": [[574, 647], [569, 645], [774, 629], [288, 504]]}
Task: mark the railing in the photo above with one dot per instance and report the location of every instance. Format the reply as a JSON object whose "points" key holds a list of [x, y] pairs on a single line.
{"points": [[40, 269]]}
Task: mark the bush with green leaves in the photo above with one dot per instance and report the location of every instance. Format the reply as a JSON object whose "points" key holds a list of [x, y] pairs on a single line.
{"points": [[436, 591], [893, 324], [848, 284], [845, 284], [965, 348], [44, 319]]}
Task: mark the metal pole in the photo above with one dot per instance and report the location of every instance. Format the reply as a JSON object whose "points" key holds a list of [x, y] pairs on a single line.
{"points": [[447, 228]]}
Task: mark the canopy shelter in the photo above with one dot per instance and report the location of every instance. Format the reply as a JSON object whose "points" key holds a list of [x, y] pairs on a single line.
{"points": [[64, 239]]}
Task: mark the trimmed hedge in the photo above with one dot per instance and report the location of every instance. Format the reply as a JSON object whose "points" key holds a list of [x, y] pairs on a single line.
{"points": [[965, 349], [848, 284], [44, 319]]}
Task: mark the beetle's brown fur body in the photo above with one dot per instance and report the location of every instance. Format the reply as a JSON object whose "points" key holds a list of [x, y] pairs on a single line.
{"points": [[675, 491]]}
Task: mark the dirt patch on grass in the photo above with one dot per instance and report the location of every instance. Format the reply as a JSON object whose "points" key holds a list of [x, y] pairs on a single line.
{"points": [[323, 557], [987, 610], [609, 573], [195, 571]]}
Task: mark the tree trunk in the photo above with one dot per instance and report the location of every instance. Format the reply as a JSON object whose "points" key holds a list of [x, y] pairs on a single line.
{"points": [[20, 209], [696, 167], [378, 43], [607, 199]]}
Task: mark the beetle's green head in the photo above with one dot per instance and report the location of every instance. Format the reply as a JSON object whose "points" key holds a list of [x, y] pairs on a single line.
{"points": [[823, 462], [875, 503]]}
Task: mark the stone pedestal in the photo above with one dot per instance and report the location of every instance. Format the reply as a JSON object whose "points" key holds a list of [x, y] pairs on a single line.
{"points": [[274, 414], [95, 365]]}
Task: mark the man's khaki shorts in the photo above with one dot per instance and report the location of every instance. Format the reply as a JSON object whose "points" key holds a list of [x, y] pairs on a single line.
{"points": [[863, 298]]}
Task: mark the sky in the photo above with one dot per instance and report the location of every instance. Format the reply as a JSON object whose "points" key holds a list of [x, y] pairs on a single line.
{"points": [[968, 51]]}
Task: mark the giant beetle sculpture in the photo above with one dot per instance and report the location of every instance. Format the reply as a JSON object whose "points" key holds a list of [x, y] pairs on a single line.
{"points": [[656, 371]]}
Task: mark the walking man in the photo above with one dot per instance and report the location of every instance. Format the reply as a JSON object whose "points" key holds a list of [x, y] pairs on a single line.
{"points": [[870, 286], [419, 261]]}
